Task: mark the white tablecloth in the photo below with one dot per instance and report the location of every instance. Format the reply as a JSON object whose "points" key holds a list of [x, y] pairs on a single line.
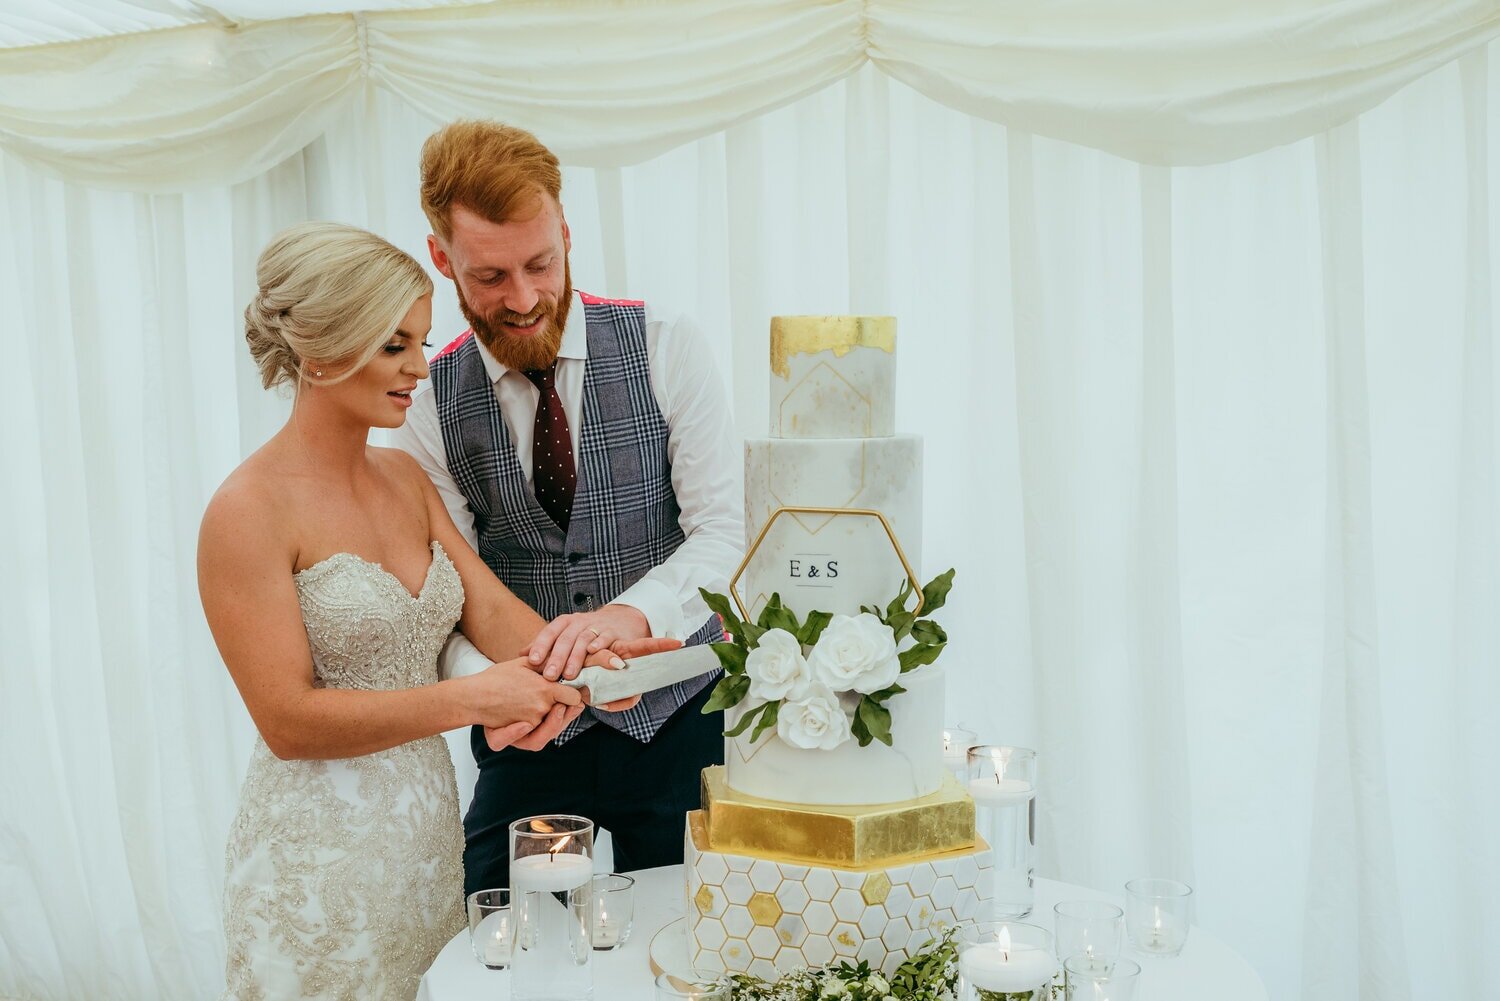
{"points": [[1207, 968]]}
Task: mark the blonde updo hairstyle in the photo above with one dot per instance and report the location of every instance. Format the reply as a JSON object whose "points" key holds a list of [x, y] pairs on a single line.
{"points": [[330, 295]]}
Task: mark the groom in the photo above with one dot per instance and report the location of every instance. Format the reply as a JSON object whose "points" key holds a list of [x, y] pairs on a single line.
{"points": [[585, 447]]}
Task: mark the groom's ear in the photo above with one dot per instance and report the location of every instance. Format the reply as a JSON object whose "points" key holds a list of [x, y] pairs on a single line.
{"points": [[567, 237], [439, 256]]}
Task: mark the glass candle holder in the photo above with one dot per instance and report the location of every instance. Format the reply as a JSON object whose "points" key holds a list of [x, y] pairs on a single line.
{"points": [[692, 985], [492, 927], [551, 884], [613, 910], [956, 744], [1002, 781], [1091, 928], [1157, 914], [1005, 961], [1086, 978]]}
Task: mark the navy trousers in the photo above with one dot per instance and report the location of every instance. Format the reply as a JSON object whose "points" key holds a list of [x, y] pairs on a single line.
{"points": [[638, 791]]}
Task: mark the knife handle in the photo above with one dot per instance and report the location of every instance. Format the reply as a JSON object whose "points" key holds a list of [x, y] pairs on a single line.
{"points": [[585, 677]]}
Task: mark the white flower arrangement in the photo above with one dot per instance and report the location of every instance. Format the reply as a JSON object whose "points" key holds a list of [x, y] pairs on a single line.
{"points": [[821, 681]]}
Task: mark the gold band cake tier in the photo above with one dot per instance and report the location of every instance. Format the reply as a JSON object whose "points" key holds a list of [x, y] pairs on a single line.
{"points": [[848, 837]]}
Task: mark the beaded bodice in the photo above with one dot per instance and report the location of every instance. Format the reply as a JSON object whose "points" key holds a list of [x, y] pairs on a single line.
{"points": [[367, 631]]}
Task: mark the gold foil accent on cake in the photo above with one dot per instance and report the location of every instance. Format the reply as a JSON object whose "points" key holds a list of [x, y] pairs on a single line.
{"points": [[847, 837], [876, 888], [704, 899], [807, 335], [764, 909]]}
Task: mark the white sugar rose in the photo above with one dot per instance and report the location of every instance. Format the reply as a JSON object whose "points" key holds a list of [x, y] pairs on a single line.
{"points": [[776, 668], [814, 720], [856, 653]]}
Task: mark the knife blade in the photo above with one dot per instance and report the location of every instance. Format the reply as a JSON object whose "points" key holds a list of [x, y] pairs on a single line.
{"points": [[644, 674]]}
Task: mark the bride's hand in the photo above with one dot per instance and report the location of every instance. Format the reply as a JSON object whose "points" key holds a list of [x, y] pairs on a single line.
{"points": [[508, 694], [529, 738], [630, 649]]}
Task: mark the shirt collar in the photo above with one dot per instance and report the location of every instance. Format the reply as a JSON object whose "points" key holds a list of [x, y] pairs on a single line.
{"points": [[575, 342]]}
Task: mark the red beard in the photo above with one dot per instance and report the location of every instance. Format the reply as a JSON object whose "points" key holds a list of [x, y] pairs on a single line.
{"points": [[523, 353]]}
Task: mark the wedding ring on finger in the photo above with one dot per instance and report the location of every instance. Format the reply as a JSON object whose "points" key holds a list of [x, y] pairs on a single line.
{"points": [[593, 630]]}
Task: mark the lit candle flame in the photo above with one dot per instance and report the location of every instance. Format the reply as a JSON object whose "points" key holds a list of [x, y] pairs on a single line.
{"points": [[1004, 943], [561, 844]]}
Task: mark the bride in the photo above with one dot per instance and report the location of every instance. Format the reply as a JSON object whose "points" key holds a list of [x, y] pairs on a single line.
{"points": [[331, 574]]}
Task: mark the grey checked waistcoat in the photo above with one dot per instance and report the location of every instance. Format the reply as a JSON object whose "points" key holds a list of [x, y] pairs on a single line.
{"points": [[624, 518]]}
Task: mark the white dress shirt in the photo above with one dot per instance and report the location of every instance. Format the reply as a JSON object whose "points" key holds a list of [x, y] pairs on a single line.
{"points": [[702, 446]]}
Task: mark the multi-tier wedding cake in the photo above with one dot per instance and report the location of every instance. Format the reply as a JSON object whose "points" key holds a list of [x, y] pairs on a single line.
{"points": [[834, 830]]}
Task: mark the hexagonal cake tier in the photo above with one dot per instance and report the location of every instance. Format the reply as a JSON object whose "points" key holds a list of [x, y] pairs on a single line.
{"points": [[759, 916], [857, 837]]}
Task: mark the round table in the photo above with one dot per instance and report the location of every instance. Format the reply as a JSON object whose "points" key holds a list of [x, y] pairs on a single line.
{"points": [[1206, 968]]}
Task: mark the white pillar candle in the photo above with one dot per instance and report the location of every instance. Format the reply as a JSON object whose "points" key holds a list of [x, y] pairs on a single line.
{"points": [[991, 967], [550, 872], [1002, 792]]}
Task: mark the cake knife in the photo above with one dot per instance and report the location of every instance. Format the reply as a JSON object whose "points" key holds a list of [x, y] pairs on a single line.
{"points": [[644, 674]]}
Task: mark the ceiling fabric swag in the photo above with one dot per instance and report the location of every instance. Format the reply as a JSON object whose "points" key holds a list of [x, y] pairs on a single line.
{"points": [[609, 84], [1171, 82], [180, 108]]}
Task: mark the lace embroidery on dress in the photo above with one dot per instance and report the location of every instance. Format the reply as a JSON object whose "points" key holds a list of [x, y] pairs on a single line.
{"points": [[344, 878]]}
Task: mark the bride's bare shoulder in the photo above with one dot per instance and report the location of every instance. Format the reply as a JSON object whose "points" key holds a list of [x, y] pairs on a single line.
{"points": [[402, 469], [248, 510]]}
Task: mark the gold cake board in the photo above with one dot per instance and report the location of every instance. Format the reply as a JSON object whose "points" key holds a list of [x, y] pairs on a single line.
{"points": [[847, 837]]}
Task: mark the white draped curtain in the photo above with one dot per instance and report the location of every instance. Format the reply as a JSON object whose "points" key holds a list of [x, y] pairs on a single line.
{"points": [[1195, 315]]}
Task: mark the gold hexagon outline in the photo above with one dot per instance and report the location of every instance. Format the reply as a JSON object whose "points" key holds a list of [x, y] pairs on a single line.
{"points": [[864, 462], [911, 575], [869, 404]]}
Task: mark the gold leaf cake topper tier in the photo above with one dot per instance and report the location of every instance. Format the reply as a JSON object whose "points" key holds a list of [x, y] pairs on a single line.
{"points": [[806, 335]]}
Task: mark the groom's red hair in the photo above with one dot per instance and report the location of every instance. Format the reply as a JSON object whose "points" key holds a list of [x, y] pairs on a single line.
{"points": [[494, 170]]}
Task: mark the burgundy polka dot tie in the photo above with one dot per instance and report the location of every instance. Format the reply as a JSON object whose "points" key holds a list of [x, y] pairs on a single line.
{"points": [[553, 475]]}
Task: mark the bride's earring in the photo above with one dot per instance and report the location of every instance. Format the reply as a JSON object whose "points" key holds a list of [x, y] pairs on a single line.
{"points": [[318, 372]]}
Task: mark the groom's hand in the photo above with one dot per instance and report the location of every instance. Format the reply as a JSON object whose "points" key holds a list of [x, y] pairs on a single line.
{"points": [[529, 738], [560, 649]]}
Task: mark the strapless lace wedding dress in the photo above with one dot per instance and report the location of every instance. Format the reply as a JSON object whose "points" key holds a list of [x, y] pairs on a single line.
{"points": [[344, 878]]}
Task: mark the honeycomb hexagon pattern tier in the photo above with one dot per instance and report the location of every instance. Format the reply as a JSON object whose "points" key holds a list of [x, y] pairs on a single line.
{"points": [[814, 915]]}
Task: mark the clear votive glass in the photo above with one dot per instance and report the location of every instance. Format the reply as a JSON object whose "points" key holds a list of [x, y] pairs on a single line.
{"points": [[956, 744], [551, 887], [1002, 781], [614, 910], [1157, 913], [1087, 978], [692, 985], [1092, 928], [492, 927], [1005, 961]]}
